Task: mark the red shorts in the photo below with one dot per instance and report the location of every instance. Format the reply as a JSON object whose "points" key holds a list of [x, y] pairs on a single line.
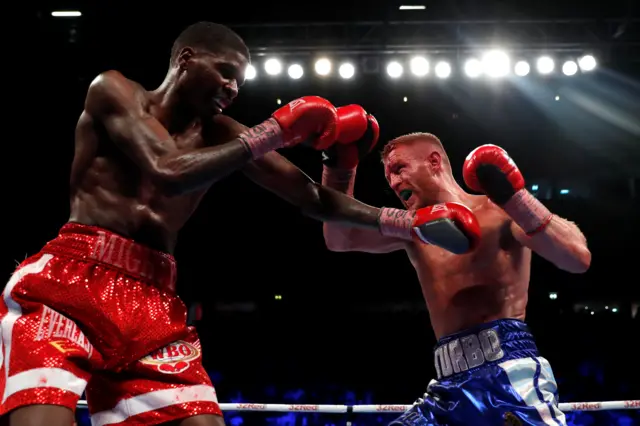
{"points": [[97, 311]]}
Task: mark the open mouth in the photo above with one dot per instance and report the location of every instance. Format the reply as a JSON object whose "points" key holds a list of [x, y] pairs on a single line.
{"points": [[220, 104], [405, 194]]}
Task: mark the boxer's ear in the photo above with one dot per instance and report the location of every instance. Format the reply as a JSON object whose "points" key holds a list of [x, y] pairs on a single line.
{"points": [[435, 160], [184, 57]]}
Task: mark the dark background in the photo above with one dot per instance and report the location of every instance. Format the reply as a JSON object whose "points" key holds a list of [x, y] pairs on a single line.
{"points": [[351, 321]]}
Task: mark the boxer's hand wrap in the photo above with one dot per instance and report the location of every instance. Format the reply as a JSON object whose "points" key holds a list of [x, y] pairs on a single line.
{"points": [[451, 226], [490, 170], [529, 213], [263, 138], [396, 223]]}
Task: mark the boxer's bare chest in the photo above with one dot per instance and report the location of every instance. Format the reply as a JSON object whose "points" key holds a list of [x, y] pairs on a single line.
{"points": [[115, 193], [450, 280]]}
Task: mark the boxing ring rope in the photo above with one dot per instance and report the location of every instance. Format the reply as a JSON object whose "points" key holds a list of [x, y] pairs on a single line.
{"points": [[398, 408]]}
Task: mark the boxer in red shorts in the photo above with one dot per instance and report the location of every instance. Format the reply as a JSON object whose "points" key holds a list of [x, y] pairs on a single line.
{"points": [[96, 309]]}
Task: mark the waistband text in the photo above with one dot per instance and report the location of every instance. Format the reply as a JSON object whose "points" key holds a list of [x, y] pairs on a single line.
{"points": [[467, 352]]}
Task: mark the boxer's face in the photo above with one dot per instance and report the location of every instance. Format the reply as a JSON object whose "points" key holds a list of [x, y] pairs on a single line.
{"points": [[409, 176], [209, 81]]}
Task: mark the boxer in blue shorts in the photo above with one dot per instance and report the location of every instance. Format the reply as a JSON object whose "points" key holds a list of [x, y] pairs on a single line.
{"points": [[488, 368]]}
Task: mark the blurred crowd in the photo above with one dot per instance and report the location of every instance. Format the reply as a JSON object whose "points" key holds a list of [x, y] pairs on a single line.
{"points": [[587, 381]]}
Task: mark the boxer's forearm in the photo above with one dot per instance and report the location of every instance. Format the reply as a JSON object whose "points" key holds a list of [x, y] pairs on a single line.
{"points": [[278, 175], [187, 171], [561, 242], [334, 207], [340, 180], [339, 237]]}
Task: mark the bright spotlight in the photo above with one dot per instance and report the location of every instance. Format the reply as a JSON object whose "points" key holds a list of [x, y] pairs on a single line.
{"points": [[295, 71], [496, 63], [250, 72], [419, 66], [443, 69], [273, 67], [66, 13], [522, 68], [545, 65], [323, 66], [394, 69], [346, 71], [473, 68], [587, 63], [569, 68]]}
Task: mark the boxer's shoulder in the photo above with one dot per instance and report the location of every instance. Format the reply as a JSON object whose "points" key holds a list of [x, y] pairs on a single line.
{"points": [[111, 89]]}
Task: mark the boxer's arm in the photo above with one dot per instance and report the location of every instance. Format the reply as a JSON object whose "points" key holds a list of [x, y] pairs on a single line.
{"points": [[113, 101], [560, 242], [356, 223]]}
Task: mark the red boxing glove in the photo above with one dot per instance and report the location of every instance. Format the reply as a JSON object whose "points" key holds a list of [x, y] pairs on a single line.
{"points": [[306, 118], [490, 170], [309, 118], [358, 134], [451, 226]]}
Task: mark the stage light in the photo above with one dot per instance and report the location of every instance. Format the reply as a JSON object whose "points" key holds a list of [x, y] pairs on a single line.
{"points": [[323, 66], [419, 66], [569, 68], [473, 68], [346, 71], [66, 13], [553, 296], [534, 187], [412, 7], [273, 66], [522, 68], [564, 191], [587, 63], [545, 65], [557, 98], [295, 71], [405, 99], [250, 73], [394, 69], [278, 101], [614, 310], [495, 63], [443, 69]]}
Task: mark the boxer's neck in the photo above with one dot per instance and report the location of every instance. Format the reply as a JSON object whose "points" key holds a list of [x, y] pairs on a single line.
{"points": [[444, 190], [168, 108]]}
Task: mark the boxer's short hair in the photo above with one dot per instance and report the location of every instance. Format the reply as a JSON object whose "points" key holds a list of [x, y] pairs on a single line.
{"points": [[210, 37], [426, 138], [411, 137]]}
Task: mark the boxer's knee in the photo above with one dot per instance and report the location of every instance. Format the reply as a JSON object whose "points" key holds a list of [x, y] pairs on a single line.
{"points": [[203, 420], [41, 415]]}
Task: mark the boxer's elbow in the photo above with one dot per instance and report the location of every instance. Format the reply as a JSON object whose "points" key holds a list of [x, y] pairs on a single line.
{"points": [[575, 259], [170, 183], [581, 260], [578, 253], [335, 240]]}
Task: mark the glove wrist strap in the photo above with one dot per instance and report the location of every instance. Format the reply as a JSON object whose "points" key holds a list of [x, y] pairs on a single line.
{"points": [[529, 213], [342, 180], [263, 138], [396, 223]]}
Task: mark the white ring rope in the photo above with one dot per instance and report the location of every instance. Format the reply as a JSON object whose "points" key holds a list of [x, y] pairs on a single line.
{"points": [[310, 408]]}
